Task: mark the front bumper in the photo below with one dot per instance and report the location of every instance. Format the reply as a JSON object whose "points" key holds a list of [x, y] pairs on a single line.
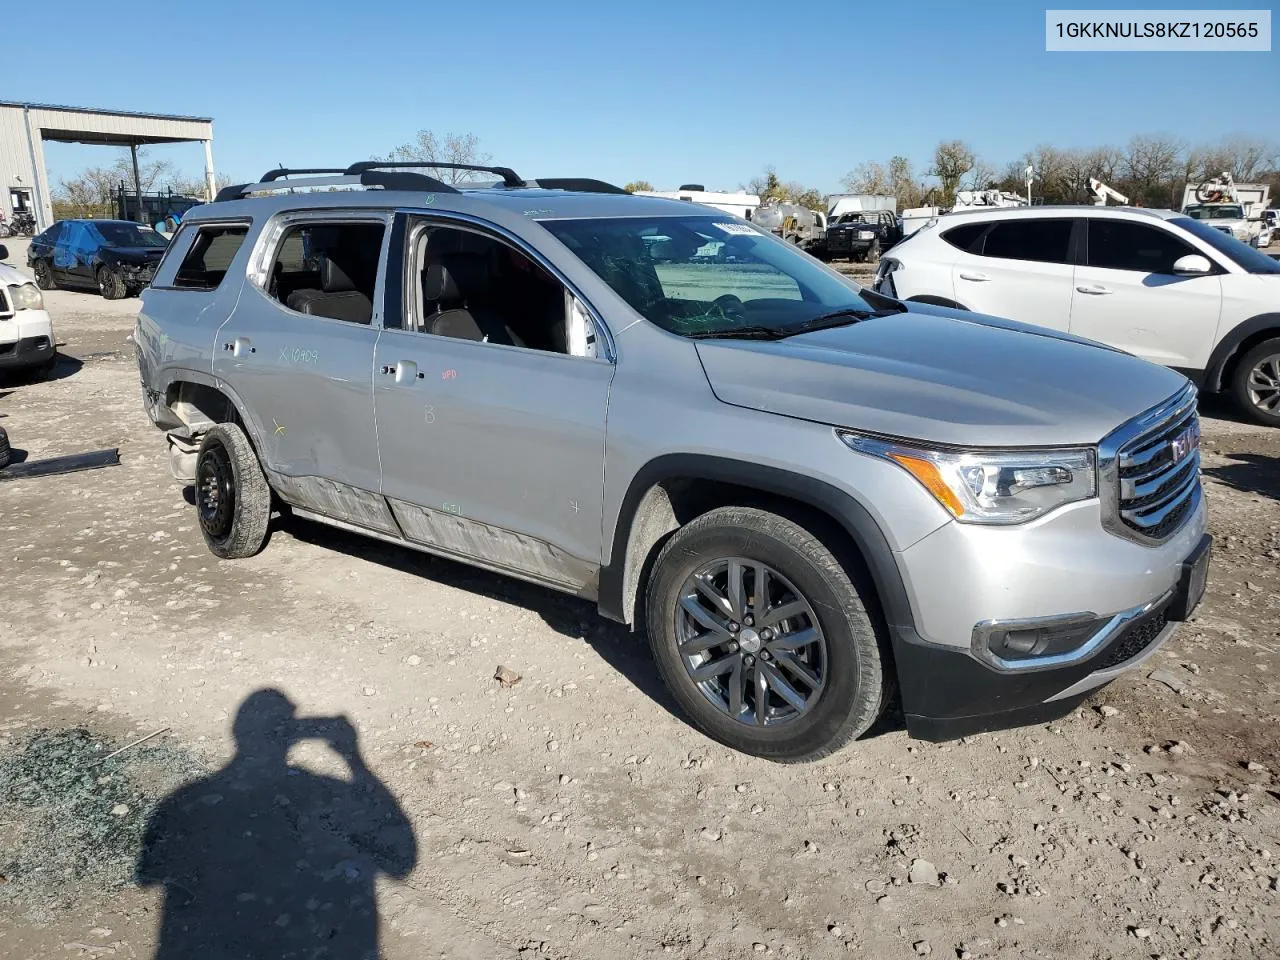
{"points": [[136, 276], [1061, 565], [26, 352]]}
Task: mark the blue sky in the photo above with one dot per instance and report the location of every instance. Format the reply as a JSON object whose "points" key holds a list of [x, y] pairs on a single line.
{"points": [[705, 92]]}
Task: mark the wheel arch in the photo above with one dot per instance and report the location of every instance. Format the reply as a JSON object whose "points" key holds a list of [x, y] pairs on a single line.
{"points": [[673, 489], [196, 401], [1239, 340]]}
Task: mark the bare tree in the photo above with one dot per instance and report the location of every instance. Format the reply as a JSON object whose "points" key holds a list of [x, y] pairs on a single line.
{"points": [[870, 178], [952, 159], [1151, 167], [635, 186], [428, 148], [92, 192], [766, 186], [980, 176]]}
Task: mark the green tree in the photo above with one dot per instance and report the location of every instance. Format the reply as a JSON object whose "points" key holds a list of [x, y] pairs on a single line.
{"points": [[635, 186], [952, 159]]}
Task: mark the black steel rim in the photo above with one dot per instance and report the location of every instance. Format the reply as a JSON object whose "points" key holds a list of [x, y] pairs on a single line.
{"points": [[215, 492]]}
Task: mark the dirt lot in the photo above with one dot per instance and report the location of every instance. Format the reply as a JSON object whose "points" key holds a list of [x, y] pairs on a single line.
{"points": [[571, 814]]}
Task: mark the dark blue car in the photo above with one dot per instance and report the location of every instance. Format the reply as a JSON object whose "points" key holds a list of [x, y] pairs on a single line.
{"points": [[115, 257]]}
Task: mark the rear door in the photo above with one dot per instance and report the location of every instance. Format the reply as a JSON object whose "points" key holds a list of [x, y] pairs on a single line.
{"points": [[298, 351], [1020, 268], [1127, 295]]}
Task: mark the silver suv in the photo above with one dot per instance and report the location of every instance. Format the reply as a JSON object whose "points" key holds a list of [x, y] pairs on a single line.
{"points": [[805, 492]]}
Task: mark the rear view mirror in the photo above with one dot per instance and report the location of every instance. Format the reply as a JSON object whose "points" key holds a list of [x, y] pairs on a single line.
{"points": [[4, 252], [1193, 264]]}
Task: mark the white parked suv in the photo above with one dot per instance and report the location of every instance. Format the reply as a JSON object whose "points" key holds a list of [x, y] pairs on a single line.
{"points": [[1153, 283], [26, 332]]}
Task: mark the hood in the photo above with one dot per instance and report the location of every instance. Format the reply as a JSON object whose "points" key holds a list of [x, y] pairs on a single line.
{"points": [[135, 254], [10, 274], [948, 378]]}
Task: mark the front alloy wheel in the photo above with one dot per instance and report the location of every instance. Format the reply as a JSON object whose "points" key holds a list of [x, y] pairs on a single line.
{"points": [[750, 641]]}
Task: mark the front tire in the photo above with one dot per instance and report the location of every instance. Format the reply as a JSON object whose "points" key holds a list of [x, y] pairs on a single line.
{"points": [[111, 285], [792, 672], [1255, 383], [233, 499]]}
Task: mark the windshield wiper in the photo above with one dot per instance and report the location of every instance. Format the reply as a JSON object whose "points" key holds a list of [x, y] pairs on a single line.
{"points": [[740, 333]]}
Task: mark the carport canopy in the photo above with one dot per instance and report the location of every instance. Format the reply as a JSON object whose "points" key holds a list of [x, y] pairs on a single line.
{"points": [[96, 127]]}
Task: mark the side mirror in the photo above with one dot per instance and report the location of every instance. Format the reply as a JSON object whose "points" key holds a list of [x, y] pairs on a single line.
{"points": [[1192, 265], [4, 252]]}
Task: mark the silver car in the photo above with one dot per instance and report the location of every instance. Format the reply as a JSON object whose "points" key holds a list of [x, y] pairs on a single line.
{"points": [[804, 492]]}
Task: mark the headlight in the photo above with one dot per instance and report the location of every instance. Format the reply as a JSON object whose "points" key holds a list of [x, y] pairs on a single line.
{"points": [[865, 234], [27, 297], [992, 486]]}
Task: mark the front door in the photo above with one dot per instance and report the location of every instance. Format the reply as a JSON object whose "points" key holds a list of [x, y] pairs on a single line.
{"points": [[491, 430], [298, 350], [73, 255], [1127, 295], [1022, 270]]}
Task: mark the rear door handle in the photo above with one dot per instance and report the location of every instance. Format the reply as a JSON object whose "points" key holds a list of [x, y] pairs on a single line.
{"points": [[1092, 289], [977, 277], [240, 346]]}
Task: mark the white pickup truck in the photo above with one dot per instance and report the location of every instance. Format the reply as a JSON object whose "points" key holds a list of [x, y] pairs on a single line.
{"points": [[1234, 208]]}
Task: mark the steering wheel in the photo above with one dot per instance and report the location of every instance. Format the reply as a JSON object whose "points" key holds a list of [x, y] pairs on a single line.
{"points": [[730, 306]]}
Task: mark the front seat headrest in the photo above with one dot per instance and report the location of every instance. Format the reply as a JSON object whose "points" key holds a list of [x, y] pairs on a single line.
{"points": [[455, 276]]}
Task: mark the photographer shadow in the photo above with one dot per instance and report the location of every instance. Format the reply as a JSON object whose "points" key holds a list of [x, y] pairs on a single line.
{"points": [[264, 859]]}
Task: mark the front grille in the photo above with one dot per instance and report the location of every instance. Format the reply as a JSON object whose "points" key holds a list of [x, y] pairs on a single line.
{"points": [[1134, 639], [1158, 473]]}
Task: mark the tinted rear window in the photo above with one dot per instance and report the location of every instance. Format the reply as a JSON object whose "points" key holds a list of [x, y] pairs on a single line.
{"points": [[1045, 241], [964, 235]]}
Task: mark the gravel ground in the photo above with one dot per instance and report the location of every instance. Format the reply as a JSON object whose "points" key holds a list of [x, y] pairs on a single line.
{"points": [[571, 813]]}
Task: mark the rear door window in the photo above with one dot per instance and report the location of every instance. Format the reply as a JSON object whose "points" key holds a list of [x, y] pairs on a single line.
{"points": [[1125, 245], [1044, 241]]}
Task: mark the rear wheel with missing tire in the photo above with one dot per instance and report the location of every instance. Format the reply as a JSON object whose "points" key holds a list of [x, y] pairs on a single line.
{"points": [[762, 637], [233, 499]]}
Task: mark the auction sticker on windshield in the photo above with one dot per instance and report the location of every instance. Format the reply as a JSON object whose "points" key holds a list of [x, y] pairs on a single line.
{"points": [[736, 228]]}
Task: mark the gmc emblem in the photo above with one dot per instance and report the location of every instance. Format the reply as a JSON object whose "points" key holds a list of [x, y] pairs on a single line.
{"points": [[1182, 445]]}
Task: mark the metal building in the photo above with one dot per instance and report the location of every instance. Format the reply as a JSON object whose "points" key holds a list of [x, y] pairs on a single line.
{"points": [[24, 182]]}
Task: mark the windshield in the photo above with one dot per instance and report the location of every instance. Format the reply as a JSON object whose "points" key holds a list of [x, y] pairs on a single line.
{"points": [[130, 235], [1214, 212], [706, 275], [1246, 256]]}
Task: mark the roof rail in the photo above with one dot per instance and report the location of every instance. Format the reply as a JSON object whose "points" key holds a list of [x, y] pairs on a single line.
{"points": [[509, 177], [394, 180], [578, 185], [279, 172]]}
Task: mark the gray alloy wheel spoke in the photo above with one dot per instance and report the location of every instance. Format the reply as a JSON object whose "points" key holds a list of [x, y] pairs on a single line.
{"points": [[1271, 403], [737, 603], [760, 601], [699, 613], [737, 683], [715, 668], [731, 643], [799, 670], [784, 611], [702, 642], [716, 598], [779, 685], [793, 641], [1259, 378]]}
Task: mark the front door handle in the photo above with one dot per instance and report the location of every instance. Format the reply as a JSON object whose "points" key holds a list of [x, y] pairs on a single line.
{"points": [[976, 277], [402, 370], [1092, 289]]}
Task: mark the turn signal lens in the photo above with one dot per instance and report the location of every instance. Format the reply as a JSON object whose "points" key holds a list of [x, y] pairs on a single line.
{"points": [[927, 473]]}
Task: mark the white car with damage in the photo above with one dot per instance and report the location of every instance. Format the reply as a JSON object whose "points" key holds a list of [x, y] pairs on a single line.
{"points": [[26, 330]]}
